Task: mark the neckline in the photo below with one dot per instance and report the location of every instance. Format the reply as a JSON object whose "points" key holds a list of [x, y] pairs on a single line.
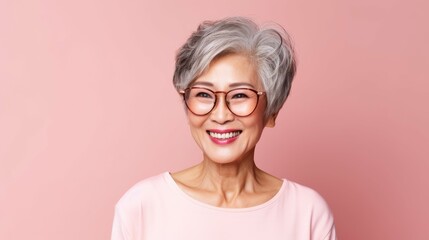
{"points": [[169, 179]]}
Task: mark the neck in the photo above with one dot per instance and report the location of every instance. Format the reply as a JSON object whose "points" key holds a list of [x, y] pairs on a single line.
{"points": [[228, 178], [238, 183]]}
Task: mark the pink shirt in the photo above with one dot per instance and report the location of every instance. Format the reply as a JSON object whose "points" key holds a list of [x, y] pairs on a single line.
{"points": [[158, 209]]}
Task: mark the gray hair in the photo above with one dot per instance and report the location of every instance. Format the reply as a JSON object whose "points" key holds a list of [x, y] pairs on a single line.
{"points": [[270, 49]]}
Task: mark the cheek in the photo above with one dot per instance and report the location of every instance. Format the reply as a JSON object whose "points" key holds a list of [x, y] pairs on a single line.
{"points": [[256, 127], [257, 117], [256, 122], [195, 122]]}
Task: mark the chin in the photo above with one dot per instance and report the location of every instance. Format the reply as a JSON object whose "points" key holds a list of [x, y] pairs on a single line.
{"points": [[223, 160], [223, 156]]}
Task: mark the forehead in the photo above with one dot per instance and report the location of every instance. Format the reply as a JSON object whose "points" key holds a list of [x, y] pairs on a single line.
{"points": [[230, 71]]}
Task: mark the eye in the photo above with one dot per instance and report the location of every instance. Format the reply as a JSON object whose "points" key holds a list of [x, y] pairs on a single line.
{"points": [[240, 95], [203, 95]]}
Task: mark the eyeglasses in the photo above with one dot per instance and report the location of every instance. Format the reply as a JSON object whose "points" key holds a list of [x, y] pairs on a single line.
{"points": [[240, 101]]}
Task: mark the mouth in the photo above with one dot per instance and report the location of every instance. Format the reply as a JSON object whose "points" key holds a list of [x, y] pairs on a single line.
{"points": [[224, 135]]}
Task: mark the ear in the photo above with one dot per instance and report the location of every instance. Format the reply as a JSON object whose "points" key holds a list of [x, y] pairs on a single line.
{"points": [[271, 121]]}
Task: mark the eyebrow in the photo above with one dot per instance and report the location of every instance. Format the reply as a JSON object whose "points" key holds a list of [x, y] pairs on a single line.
{"points": [[232, 85]]}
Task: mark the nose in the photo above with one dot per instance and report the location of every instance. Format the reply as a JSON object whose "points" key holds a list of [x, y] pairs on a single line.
{"points": [[221, 113]]}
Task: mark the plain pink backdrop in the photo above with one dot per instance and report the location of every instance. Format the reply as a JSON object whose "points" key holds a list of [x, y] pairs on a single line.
{"points": [[87, 109]]}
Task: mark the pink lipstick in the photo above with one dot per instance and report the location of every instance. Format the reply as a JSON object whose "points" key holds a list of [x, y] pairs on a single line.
{"points": [[223, 136]]}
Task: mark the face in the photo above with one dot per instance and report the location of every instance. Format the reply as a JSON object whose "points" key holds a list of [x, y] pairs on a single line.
{"points": [[222, 136]]}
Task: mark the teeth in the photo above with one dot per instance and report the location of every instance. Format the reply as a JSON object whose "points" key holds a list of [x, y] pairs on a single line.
{"points": [[224, 135]]}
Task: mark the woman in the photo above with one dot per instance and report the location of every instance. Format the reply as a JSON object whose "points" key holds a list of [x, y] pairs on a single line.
{"points": [[234, 77]]}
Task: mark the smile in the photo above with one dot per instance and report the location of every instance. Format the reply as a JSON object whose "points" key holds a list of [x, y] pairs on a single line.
{"points": [[224, 135]]}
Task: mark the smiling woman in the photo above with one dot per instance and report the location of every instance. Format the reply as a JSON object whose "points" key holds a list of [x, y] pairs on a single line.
{"points": [[229, 73], [234, 78]]}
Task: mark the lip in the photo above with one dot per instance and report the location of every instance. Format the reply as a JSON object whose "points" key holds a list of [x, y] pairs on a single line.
{"points": [[223, 141], [223, 130]]}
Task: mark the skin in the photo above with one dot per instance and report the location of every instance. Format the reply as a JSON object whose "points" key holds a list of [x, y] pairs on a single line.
{"points": [[227, 176]]}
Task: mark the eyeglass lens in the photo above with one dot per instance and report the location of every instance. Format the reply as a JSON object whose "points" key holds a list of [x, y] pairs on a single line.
{"points": [[240, 102]]}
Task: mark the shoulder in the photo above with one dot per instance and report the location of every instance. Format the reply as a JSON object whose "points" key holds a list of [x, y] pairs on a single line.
{"points": [[304, 195], [306, 198], [309, 204], [142, 192], [138, 199]]}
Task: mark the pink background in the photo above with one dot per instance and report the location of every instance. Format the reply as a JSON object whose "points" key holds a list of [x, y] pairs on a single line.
{"points": [[87, 109]]}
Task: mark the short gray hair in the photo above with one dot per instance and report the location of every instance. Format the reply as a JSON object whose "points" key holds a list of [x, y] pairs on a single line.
{"points": [[269, 48]]}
